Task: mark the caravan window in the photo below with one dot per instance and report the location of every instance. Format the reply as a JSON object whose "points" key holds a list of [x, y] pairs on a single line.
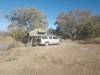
{"points": [[44, 37], [54, 37], [50, 37]]}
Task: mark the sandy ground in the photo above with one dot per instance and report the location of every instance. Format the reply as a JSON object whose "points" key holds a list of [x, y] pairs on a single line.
{"points": [[70, 58]]}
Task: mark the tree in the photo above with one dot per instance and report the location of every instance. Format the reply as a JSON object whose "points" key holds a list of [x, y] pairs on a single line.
{"points": [[68, 23], [96, 21], [23, 20], [85, 31], [27, 18], [52, 31]]}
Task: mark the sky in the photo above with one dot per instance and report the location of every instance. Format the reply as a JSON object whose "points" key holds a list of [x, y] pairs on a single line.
{"points": [[49, 7]]}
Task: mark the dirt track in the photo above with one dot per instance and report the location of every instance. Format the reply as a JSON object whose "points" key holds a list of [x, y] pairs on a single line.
{"points": [[69, 58]]}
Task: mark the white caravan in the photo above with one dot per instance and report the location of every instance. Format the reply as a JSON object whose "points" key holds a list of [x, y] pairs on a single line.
{"points": [[48, 40]]}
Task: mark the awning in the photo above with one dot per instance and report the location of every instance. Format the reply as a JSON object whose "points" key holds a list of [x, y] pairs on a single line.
{"points": [[37, 32]]}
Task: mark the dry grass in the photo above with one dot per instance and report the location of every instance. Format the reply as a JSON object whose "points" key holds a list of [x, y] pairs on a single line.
{"points": [[9, 42], [6, 40], [70, 58]]}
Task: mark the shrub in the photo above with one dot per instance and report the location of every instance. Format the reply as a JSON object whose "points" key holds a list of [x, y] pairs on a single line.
{"points": [[85, 31], [20, 35]]}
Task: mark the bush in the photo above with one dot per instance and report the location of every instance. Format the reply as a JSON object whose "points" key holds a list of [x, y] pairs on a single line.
{"points": [[85, 31], [20, 35]]}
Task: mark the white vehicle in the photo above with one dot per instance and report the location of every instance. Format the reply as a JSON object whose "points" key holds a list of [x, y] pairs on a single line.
{"points": [[48, 40]]}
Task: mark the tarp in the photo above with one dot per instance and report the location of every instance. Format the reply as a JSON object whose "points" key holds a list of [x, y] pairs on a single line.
{"points": [[37, 31]]}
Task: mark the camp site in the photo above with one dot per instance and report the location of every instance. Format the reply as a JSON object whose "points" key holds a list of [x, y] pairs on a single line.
{"points": [[49, 37]]}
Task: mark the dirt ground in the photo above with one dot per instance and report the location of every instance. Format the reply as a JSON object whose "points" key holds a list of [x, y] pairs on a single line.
{"points": [[70, 58]]}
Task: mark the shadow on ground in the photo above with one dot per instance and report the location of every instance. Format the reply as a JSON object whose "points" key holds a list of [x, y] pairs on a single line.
{"points": [[89, 42]]}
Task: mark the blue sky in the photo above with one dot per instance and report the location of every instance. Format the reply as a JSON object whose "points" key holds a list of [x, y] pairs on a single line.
{"points": [[49, 7]]}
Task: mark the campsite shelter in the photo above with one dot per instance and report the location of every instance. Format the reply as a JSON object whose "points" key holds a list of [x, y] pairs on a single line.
{"points": [[34, 35], [37, 32]]}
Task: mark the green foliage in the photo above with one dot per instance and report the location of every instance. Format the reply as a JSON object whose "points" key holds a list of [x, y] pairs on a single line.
{"points": [[20, 35], [23, 20], [85, 31], [97, 31], [78, 25], [27, 18]]}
